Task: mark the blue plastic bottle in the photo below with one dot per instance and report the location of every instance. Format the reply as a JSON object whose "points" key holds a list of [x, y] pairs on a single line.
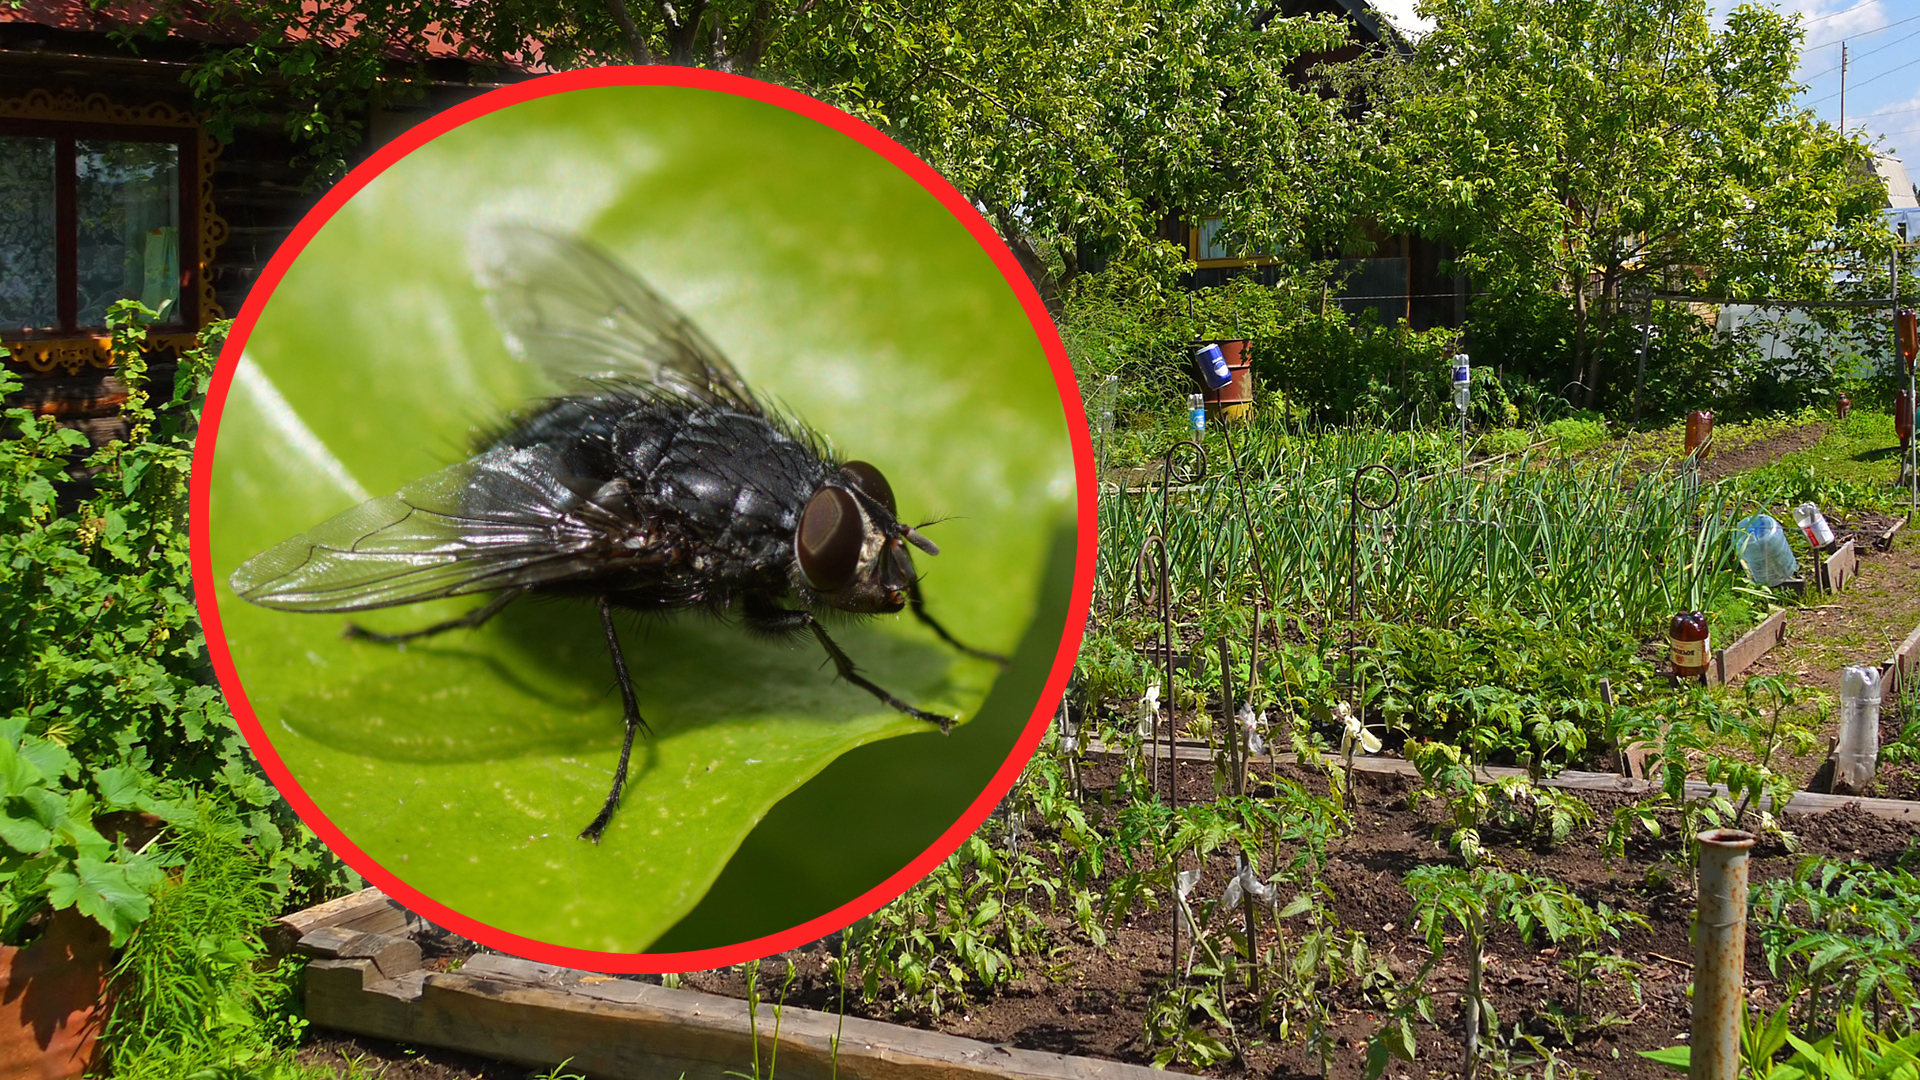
{"points": [[1764, 551], [1213, 363]]}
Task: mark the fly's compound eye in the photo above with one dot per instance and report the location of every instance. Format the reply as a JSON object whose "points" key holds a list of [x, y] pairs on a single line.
{"points": [[829, 539], [871, 484]]}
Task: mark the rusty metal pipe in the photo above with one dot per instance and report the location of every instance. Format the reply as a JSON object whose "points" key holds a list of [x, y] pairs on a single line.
{"points": [[1719, 955]]}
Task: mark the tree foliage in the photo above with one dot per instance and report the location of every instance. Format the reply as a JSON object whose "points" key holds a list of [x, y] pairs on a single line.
{"points": [[1073, 124], [1599, 149]]}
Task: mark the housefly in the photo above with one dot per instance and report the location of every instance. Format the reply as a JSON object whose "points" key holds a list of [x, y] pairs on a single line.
{"points": [[654, 481]]}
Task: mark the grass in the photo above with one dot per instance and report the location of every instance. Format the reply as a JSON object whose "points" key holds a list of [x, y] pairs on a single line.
{"points": [[198, 993]]}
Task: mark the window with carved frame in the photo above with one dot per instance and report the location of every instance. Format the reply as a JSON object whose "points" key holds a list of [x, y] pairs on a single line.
{"points": [[100, 203]]}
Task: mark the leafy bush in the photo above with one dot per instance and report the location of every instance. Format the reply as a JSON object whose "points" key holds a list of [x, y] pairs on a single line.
{"points": [[126, 790], [1313, 357]]}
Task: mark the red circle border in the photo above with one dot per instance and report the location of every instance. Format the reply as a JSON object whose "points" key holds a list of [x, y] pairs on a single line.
{"points": [[1077, 607]]}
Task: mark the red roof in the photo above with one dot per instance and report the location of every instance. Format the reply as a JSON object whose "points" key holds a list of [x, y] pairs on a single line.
{"points": [[194, 21]]}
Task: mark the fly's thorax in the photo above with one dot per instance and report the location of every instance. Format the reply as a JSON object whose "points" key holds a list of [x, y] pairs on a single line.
{"points": [[722, 481]]}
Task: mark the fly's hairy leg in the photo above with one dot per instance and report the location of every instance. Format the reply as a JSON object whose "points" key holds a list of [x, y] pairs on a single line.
{"points": [[919, 605], [773, 619], [634, 723], [470, 620]]}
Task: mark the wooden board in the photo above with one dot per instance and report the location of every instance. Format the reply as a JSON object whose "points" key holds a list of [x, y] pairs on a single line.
{"points": [[1741, 655], [1802, 803], [367, 911], [1899, 667], [1840, 568], [611, 1028], [1884, 542]]}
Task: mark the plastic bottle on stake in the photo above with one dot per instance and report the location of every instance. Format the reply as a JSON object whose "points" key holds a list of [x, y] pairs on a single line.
{"points": [[1764, 551], [1906, 334], [1692, 647], [1197, 413], [1699, 430], [1212, 364], [1903, 417], [1814, 524], [1858, 750], [1462, 381]]}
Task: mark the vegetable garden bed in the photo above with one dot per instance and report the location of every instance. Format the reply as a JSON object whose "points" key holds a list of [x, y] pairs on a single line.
{"points": [[1298, 909], [371, 977], [1352, 958]]}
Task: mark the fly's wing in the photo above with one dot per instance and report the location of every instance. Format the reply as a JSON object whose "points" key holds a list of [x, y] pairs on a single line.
{"points": [[505, 519], [567, 307]]}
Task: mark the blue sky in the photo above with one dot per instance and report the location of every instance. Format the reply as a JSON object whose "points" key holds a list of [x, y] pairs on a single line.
{"points": [[1883, 66]]}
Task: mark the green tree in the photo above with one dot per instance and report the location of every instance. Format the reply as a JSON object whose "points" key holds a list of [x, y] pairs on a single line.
{"points": [[1593, 150], [1068, 122]]}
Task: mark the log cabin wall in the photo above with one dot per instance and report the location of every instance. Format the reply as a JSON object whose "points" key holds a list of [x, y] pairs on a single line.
{"points": [[256, 194]]}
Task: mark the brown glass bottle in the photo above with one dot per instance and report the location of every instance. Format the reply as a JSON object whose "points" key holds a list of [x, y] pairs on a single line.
{"points": [[1692, 650]]}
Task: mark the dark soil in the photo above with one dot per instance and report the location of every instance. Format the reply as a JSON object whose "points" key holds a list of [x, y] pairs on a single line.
{"points": [[1093, 1001], [1721, 463]]}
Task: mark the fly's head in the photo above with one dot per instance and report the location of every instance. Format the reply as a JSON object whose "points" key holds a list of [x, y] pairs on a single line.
{"points": [[851, 547]]}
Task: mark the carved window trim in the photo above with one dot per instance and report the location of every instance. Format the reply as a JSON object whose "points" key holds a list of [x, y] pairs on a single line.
{"points": [[71, 351], [1198, 242]]}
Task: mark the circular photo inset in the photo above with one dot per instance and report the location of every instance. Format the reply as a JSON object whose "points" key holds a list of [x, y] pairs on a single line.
{"points": [[637, 519]]}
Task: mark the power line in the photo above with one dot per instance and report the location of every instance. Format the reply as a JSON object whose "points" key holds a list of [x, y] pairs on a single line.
{"points": [[1837, 14], [1895, 41], [1864, 82], [1886, 73], [1864, 33]]}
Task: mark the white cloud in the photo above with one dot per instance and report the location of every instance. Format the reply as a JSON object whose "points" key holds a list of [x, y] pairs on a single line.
{"points": [[1401, 14]]}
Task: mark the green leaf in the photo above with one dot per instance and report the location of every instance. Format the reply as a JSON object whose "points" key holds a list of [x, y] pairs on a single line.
{"points": [[17, 774], [24, 834], [467, 763], [1676, 1057], [119, 787], [107, 892]]}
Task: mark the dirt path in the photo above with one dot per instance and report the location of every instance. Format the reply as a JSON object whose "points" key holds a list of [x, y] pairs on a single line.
{"points": [[1863, 624]]}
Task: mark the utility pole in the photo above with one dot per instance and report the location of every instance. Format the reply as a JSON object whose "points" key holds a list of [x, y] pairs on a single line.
{"points": [[1843, 88]]}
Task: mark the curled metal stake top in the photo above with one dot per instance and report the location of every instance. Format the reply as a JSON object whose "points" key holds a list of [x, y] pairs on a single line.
{"points": [[1182, 472], [1369, 503], [1359, 499]]}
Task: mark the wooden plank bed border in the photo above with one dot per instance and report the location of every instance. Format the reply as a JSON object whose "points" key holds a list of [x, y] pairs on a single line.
{"points": [[1755, 644], [371, 983], [1884, 542], [1899, 667], [1802, 803], [1840, 568]]}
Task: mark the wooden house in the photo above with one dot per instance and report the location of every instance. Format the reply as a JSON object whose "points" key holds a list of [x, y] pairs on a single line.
{"points": [[111, 187], [1398, 276]]}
